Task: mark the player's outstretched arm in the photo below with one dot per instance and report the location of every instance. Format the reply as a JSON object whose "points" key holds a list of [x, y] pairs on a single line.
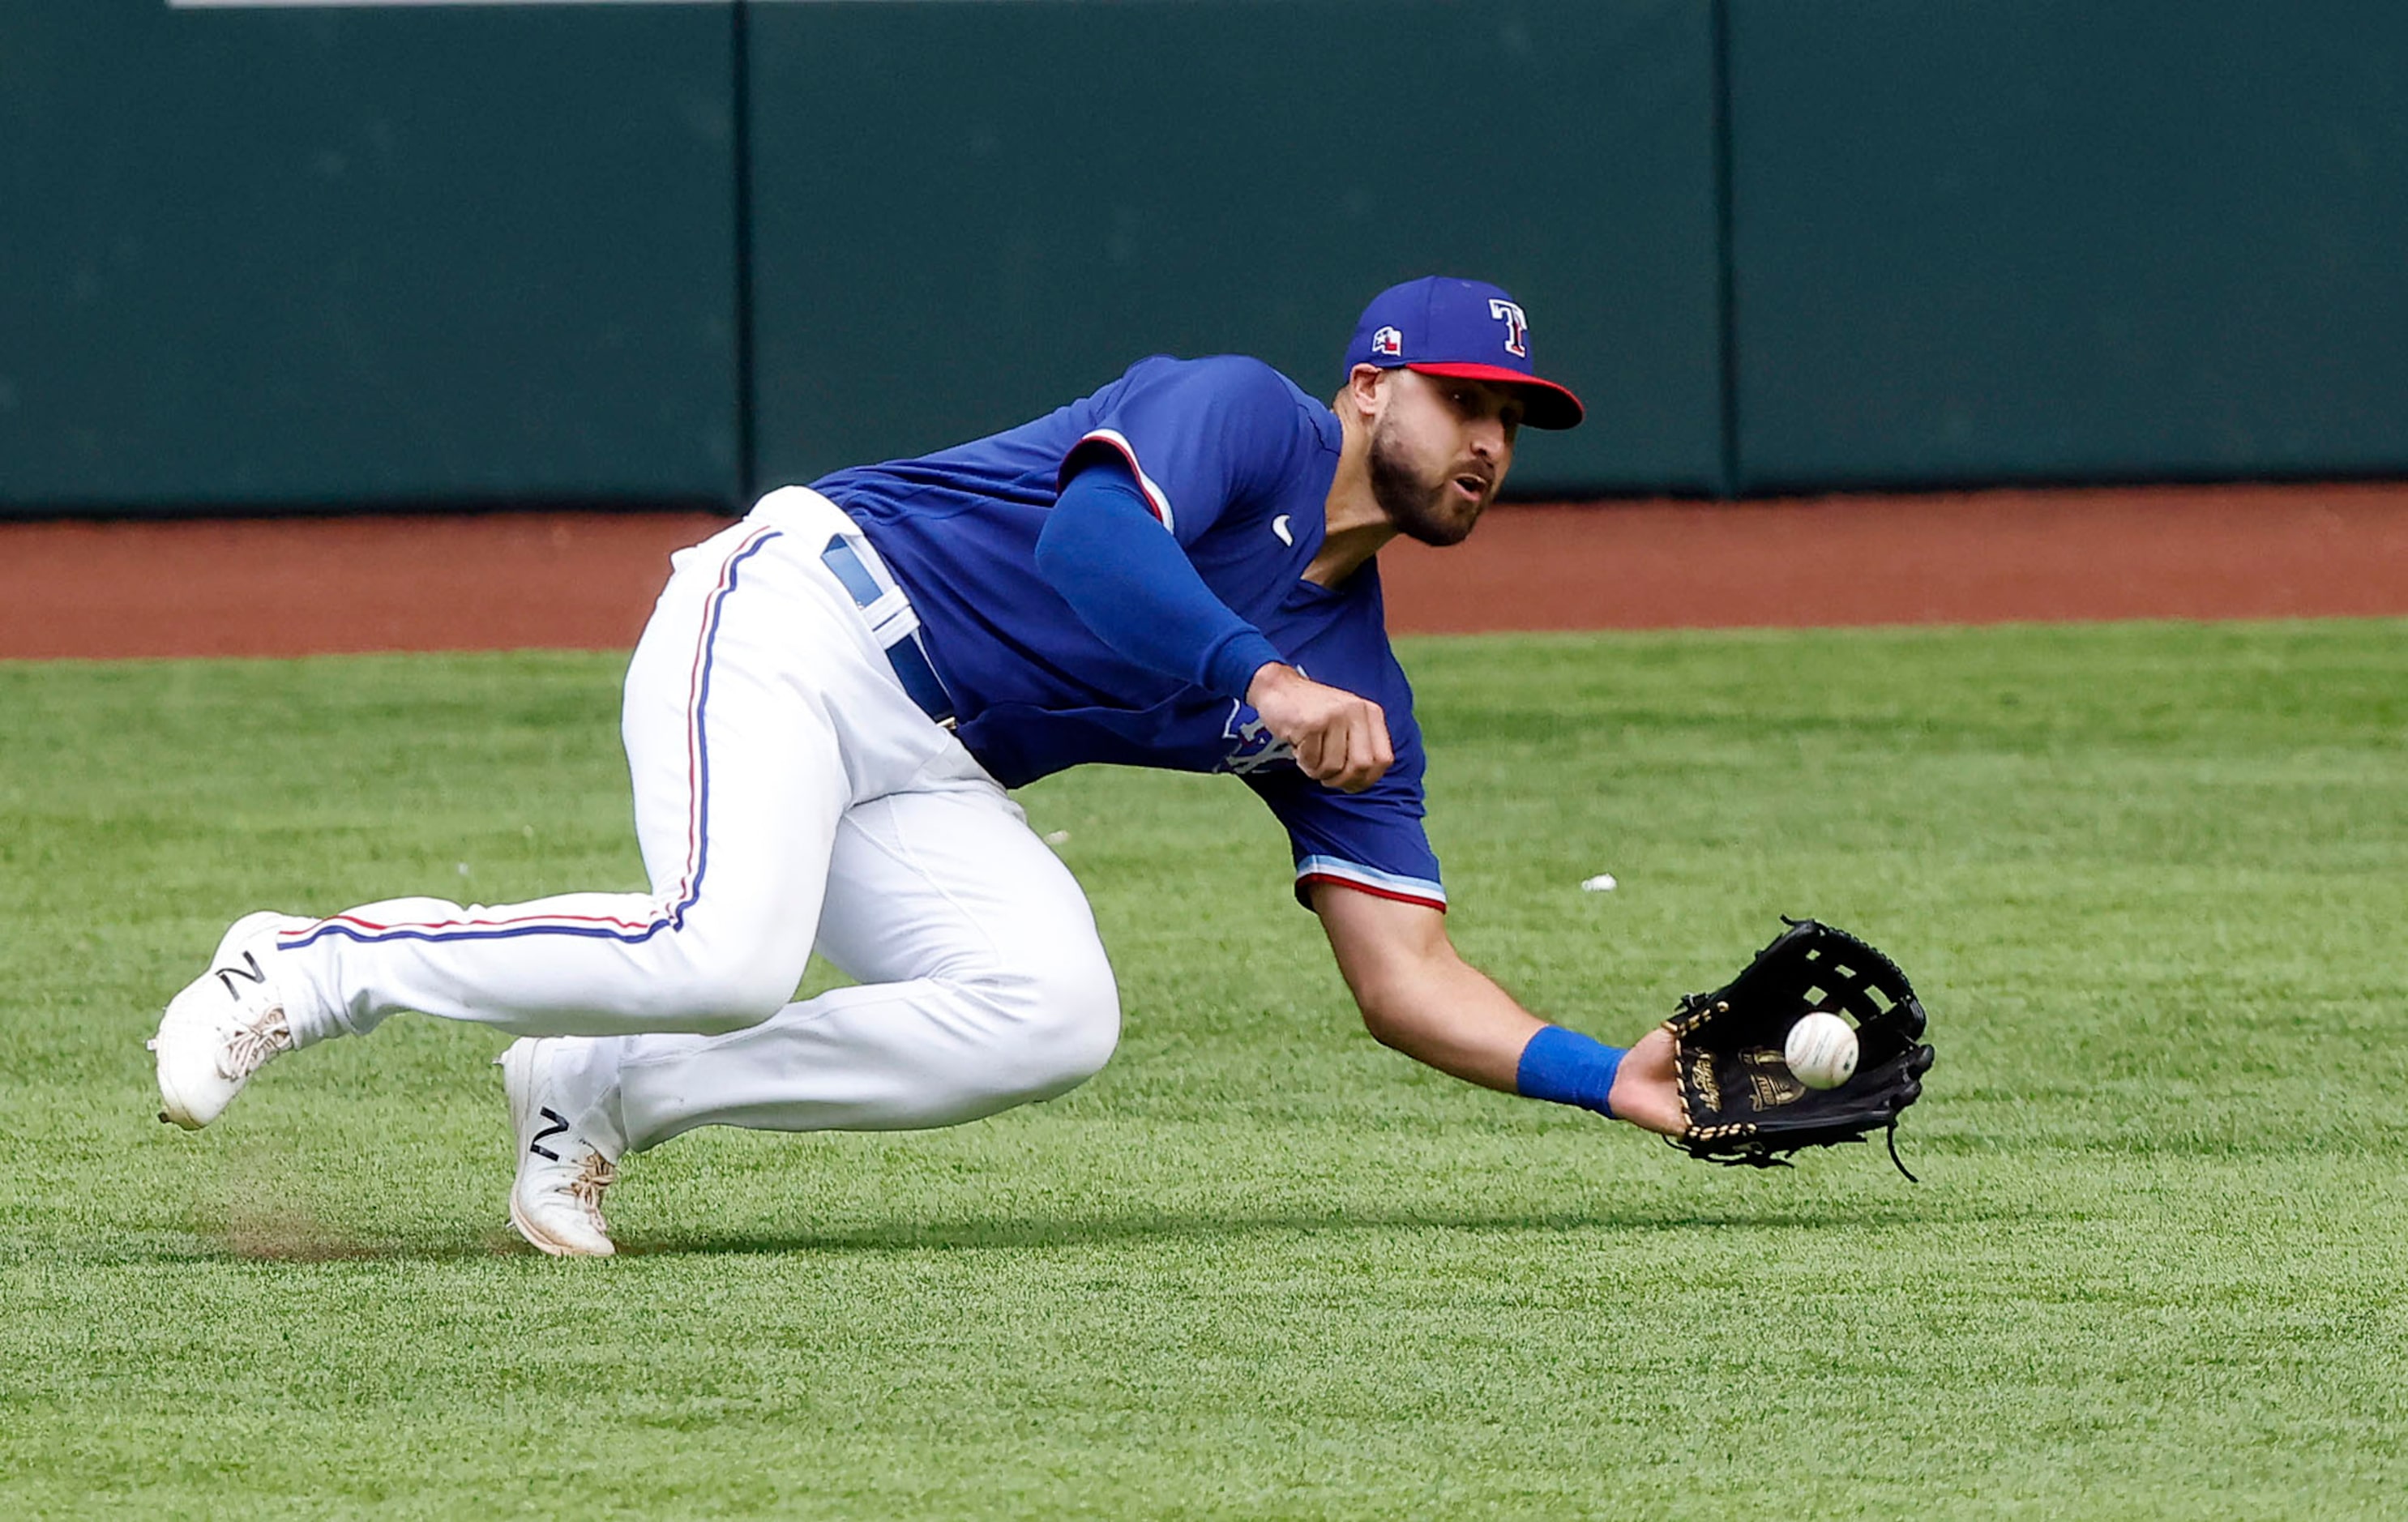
{"points": [[1421, 999]]}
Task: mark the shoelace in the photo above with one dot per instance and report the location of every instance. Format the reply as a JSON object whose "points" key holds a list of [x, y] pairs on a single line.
{"points": [[251, 1045], [598, 1174]]}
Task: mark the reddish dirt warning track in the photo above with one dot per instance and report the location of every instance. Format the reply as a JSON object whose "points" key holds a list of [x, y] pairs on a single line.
{"points": [[290, 586], [1985, 557]]}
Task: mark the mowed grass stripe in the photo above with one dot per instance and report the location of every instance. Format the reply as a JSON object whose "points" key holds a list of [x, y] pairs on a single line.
{"points": [[2149, 878]]}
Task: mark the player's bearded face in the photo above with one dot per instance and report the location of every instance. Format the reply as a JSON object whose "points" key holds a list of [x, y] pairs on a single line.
{"points": [[1437, 453]]}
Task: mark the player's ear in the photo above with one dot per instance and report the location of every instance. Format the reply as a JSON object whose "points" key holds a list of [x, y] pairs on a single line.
{"points": [[1366, 388]]}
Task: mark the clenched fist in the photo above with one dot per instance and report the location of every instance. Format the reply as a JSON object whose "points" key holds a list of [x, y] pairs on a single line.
{"points": [[1340, 739]]}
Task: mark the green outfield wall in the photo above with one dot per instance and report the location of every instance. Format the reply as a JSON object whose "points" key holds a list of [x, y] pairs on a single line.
{"points": [[2063, 239], [360, 255], [464, 254]]}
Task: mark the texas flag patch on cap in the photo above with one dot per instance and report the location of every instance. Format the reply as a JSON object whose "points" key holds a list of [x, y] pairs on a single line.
{"points": [[1388, 342]]}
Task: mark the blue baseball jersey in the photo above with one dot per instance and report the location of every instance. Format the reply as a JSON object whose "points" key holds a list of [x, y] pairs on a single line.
{"points": [[1236, 462]]}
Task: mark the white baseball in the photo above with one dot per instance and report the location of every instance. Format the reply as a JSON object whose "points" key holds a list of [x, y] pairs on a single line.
{"points": [[1821, 1050]]}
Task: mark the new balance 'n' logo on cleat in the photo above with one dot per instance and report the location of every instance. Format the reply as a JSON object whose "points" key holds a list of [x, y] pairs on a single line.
{"points": [[559, 1123], [250, 970]]}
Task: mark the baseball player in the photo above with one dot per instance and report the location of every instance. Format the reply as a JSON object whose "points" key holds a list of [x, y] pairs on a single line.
{"points": [[825, 714]]}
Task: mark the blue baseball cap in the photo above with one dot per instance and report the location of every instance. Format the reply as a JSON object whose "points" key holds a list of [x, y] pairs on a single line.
{"points": [[1467, 329]]}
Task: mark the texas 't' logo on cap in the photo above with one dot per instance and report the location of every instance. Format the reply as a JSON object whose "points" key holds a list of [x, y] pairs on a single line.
{"points": [[1517, 327], [1466, 329]]}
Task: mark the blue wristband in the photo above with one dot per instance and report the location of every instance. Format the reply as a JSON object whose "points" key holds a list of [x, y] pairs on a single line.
{"points": [[1568, 1068]]}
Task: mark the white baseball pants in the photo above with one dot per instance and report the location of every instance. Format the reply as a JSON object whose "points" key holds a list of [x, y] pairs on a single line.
{"points": [[789, 794]]}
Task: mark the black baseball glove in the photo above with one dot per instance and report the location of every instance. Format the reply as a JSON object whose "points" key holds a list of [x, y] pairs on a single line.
{"points": [[1739, 1098]]}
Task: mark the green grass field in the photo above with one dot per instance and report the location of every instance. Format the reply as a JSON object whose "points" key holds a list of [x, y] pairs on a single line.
{"points": [[2151, 880]]}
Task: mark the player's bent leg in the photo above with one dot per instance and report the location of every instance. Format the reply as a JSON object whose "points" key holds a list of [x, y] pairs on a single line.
{"points": [[738, 780], [888, 1057], [741, 779], [951, 885], [985, 988]]}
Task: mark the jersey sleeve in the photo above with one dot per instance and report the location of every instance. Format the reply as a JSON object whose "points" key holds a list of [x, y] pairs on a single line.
{"points": [[1371, 841], [1202, 437], [1135, 589]]}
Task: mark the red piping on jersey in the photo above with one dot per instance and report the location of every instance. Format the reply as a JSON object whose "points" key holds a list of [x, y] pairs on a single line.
{"points": [[1437, 904], [1155, 502]]}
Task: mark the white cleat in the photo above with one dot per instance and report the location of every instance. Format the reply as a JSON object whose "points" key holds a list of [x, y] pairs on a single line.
{"points": [[226, 1024], [556, 1199]]}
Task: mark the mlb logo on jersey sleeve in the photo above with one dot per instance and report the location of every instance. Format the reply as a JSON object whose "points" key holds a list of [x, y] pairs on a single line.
{"points": [[1388, 342]]}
